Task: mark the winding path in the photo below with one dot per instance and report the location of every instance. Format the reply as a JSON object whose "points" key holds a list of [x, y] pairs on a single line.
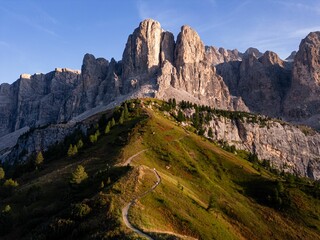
{"points": [[125, 210]]}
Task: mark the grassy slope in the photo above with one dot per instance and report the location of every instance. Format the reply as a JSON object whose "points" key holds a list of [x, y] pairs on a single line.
{"points": [[205, 191]]}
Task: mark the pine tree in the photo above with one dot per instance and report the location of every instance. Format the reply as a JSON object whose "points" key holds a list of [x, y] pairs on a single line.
{"points": [[113, 122], [2, 173], [39, 159], [80, 144], [93, 138], [126, 112], [174, 103], [78, 175], [97, 134], [180, 116], [70, 150], [74, 150], [121, 119], [10, 183], [210, 132], [107, 130]]}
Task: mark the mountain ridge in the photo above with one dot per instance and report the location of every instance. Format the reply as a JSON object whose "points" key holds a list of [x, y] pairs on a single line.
{"points": [[155, 65]]}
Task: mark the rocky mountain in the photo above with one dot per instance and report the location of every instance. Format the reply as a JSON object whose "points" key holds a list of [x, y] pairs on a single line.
{"points": [[154, 64], [221, 55], [261, 82], [291, 57], [288, 148], [302, 101]]}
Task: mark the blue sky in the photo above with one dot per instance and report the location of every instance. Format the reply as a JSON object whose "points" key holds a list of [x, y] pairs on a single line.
{"points": [[38, 35]]}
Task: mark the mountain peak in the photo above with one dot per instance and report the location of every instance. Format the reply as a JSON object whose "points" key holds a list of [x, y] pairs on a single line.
{"points": [[271, 58], [189, 47]]}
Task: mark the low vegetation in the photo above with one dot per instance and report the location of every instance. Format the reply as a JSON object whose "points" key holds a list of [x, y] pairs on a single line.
{"points": [[206, 191]]}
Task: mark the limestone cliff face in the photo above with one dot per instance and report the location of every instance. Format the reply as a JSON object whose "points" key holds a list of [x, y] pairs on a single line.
{"points": [[285, 146], [146, 48], [58, 96], [7, 110], [152, 57], [189, 47], [261, 82], [303, 102], [41, 99], [221, 55]]}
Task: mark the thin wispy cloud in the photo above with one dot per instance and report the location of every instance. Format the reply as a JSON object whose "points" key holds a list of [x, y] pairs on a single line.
{"points": [[302, 32], [44, 15], [309, 6], [168, 17], [4, 44], [28, 21], [229, 17]]}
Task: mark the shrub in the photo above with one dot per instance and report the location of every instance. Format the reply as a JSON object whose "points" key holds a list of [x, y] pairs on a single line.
{"points": [[6, 209], [80, 210], [59, 228]]}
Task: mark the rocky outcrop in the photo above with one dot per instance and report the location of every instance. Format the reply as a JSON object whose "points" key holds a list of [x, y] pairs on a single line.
{"points": [[189, 47], [40, 139], [288, 148], [152, 57], [221, 55], [303, 102], [291, 57], [253, 51], [261, 82], [145, 50]]}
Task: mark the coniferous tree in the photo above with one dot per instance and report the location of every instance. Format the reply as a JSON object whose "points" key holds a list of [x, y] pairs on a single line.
{"points": [[80, 144], [39, 159], [174, 103], [2, 173], [75, 150], [121, 119], [79, 175], [93, 138], [10, 183], [180, 116], [126, 112], [113, 122], [107, 129], [70, 150], [210, 132]]}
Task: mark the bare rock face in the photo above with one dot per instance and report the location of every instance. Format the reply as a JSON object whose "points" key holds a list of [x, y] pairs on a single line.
{"points": [[151, 57], [7, 97], [261, 82], [143, 54], [41, 97], [253, 51], [189, 47], [291, 57], [303, 100], [221, 55], [286, 147], [93, 72]]}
